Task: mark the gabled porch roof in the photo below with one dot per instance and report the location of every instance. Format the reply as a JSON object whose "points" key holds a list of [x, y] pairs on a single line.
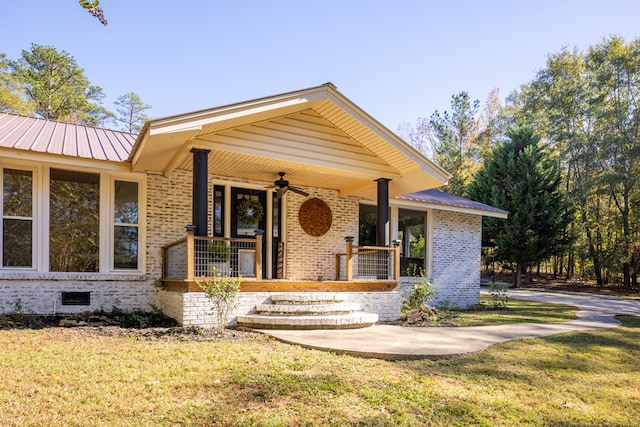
{"points": [[317, 136]]}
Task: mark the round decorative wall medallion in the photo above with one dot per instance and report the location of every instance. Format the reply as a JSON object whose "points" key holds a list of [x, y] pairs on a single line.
{"points": [[315, 217]]}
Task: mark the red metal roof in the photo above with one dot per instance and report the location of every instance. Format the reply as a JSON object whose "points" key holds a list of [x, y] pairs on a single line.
{"points": [[67, 139]]}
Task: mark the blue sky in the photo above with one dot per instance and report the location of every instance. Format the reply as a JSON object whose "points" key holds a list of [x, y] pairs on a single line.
{"points": [[398, 60]]}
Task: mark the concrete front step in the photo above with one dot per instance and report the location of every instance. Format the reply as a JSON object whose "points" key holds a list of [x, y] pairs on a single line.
{"points": [[306, 309], [306, 298], [342, 321]]}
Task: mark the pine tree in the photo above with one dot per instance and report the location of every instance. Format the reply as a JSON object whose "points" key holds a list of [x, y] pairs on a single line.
{"points": [[58, 87], [131, 112], [521, 177]]}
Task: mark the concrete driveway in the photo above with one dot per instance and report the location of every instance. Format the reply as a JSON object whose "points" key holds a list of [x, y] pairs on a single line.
{"points": [[396, 342]]}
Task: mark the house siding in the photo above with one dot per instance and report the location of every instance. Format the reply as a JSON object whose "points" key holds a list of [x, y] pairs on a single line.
{"points": [[455, 269]]}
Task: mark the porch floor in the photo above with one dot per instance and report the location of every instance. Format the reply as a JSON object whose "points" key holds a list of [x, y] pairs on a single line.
{"points": [[285, 285]]}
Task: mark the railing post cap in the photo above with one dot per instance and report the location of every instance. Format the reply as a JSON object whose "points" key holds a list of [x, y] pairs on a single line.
{"points": [[349, 239], [190, 227]]}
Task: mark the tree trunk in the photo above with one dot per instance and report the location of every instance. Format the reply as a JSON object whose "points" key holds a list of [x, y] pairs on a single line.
{"points": [[518, 275], [595, 257]]}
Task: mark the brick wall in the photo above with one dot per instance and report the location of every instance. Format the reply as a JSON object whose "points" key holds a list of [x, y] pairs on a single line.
{"points": [[168, 212], [455, 269], [313, 258], [42, 293]]}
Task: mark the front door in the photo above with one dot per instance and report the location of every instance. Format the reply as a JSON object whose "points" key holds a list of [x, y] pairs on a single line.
{"points": [[248, 214]]}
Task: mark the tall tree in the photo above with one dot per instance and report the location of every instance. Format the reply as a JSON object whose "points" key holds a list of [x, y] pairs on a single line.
{"points": [[492, 123], [418, 135], [454, 140], [57, 86], [586, 103], [11, 90], [522, 177], [615, 71], [130, 111]]}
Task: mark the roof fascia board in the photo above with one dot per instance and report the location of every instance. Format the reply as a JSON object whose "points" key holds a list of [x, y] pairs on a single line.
{"points": [[449, 208]]}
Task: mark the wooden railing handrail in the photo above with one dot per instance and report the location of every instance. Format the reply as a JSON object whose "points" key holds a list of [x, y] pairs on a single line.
{"points": [[377, 248], [177, 242], [190, 241], [352, 250]]}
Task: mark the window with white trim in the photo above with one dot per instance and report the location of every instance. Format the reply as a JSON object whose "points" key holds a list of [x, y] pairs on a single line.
{"points": [[125, 225], [74, 221], [17, 218]]}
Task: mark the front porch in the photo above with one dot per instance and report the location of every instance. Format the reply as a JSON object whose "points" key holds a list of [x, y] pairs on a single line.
{"points": [[195, 258]]}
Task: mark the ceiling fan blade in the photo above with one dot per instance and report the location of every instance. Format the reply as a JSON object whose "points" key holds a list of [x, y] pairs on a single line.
{"points": [[299, 191]]}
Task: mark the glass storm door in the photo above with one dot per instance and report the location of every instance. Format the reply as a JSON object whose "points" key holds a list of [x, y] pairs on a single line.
{"points": [[242, 225]]}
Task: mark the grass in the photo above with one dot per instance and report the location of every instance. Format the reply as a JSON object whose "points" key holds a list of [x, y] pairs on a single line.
{"points": [[74, 377], [516, 311]]}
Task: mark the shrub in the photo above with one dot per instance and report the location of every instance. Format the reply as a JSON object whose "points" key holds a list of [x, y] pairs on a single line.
{"points": [[222, 290], [18, 316], [498, 294], [136, 318], [414, 306]]}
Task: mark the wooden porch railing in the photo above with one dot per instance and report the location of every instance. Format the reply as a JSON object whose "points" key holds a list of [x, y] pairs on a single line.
{"points": [[368, 262], [203, 257]]}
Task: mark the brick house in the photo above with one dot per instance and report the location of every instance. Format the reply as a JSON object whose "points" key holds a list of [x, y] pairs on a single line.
{"points": [[296, 193]]}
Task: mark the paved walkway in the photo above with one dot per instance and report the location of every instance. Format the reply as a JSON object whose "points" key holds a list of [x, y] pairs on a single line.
{"points": [[396, 342]]}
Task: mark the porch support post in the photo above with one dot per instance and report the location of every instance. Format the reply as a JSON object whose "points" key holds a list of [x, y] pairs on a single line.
{"points": [[191, 260], [382, 232], [259, 234], [348, 263], [200, 190]]}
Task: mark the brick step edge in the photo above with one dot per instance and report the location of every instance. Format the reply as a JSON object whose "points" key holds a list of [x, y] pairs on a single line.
{"points": [[306, 309], [346, 321], [306, 298]]}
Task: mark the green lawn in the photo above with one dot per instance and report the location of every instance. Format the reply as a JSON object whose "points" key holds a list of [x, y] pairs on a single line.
{"points": [[517, 311], [74, 377]]}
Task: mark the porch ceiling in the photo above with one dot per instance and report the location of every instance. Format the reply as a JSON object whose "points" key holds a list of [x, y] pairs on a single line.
{"points": [[317, 136]]}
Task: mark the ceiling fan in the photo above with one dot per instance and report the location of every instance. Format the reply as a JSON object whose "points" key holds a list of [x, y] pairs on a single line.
{"points": [[282, 186]]}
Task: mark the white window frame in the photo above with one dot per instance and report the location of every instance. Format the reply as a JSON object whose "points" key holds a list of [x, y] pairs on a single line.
{"points": [[141, 225], [34, 215], [41, 213]]}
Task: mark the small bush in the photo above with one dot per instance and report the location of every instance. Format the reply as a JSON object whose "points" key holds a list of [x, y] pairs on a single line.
{"points": [[137, 318], [414, 306], [498, 294], [222, 290], [20, 317]]}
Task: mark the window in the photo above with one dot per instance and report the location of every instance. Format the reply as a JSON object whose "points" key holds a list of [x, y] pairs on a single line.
{"points": [[218, 210], [17, 218], [74, 221], [93, 221], [125, 225], [411, 231], [368, 225]]}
